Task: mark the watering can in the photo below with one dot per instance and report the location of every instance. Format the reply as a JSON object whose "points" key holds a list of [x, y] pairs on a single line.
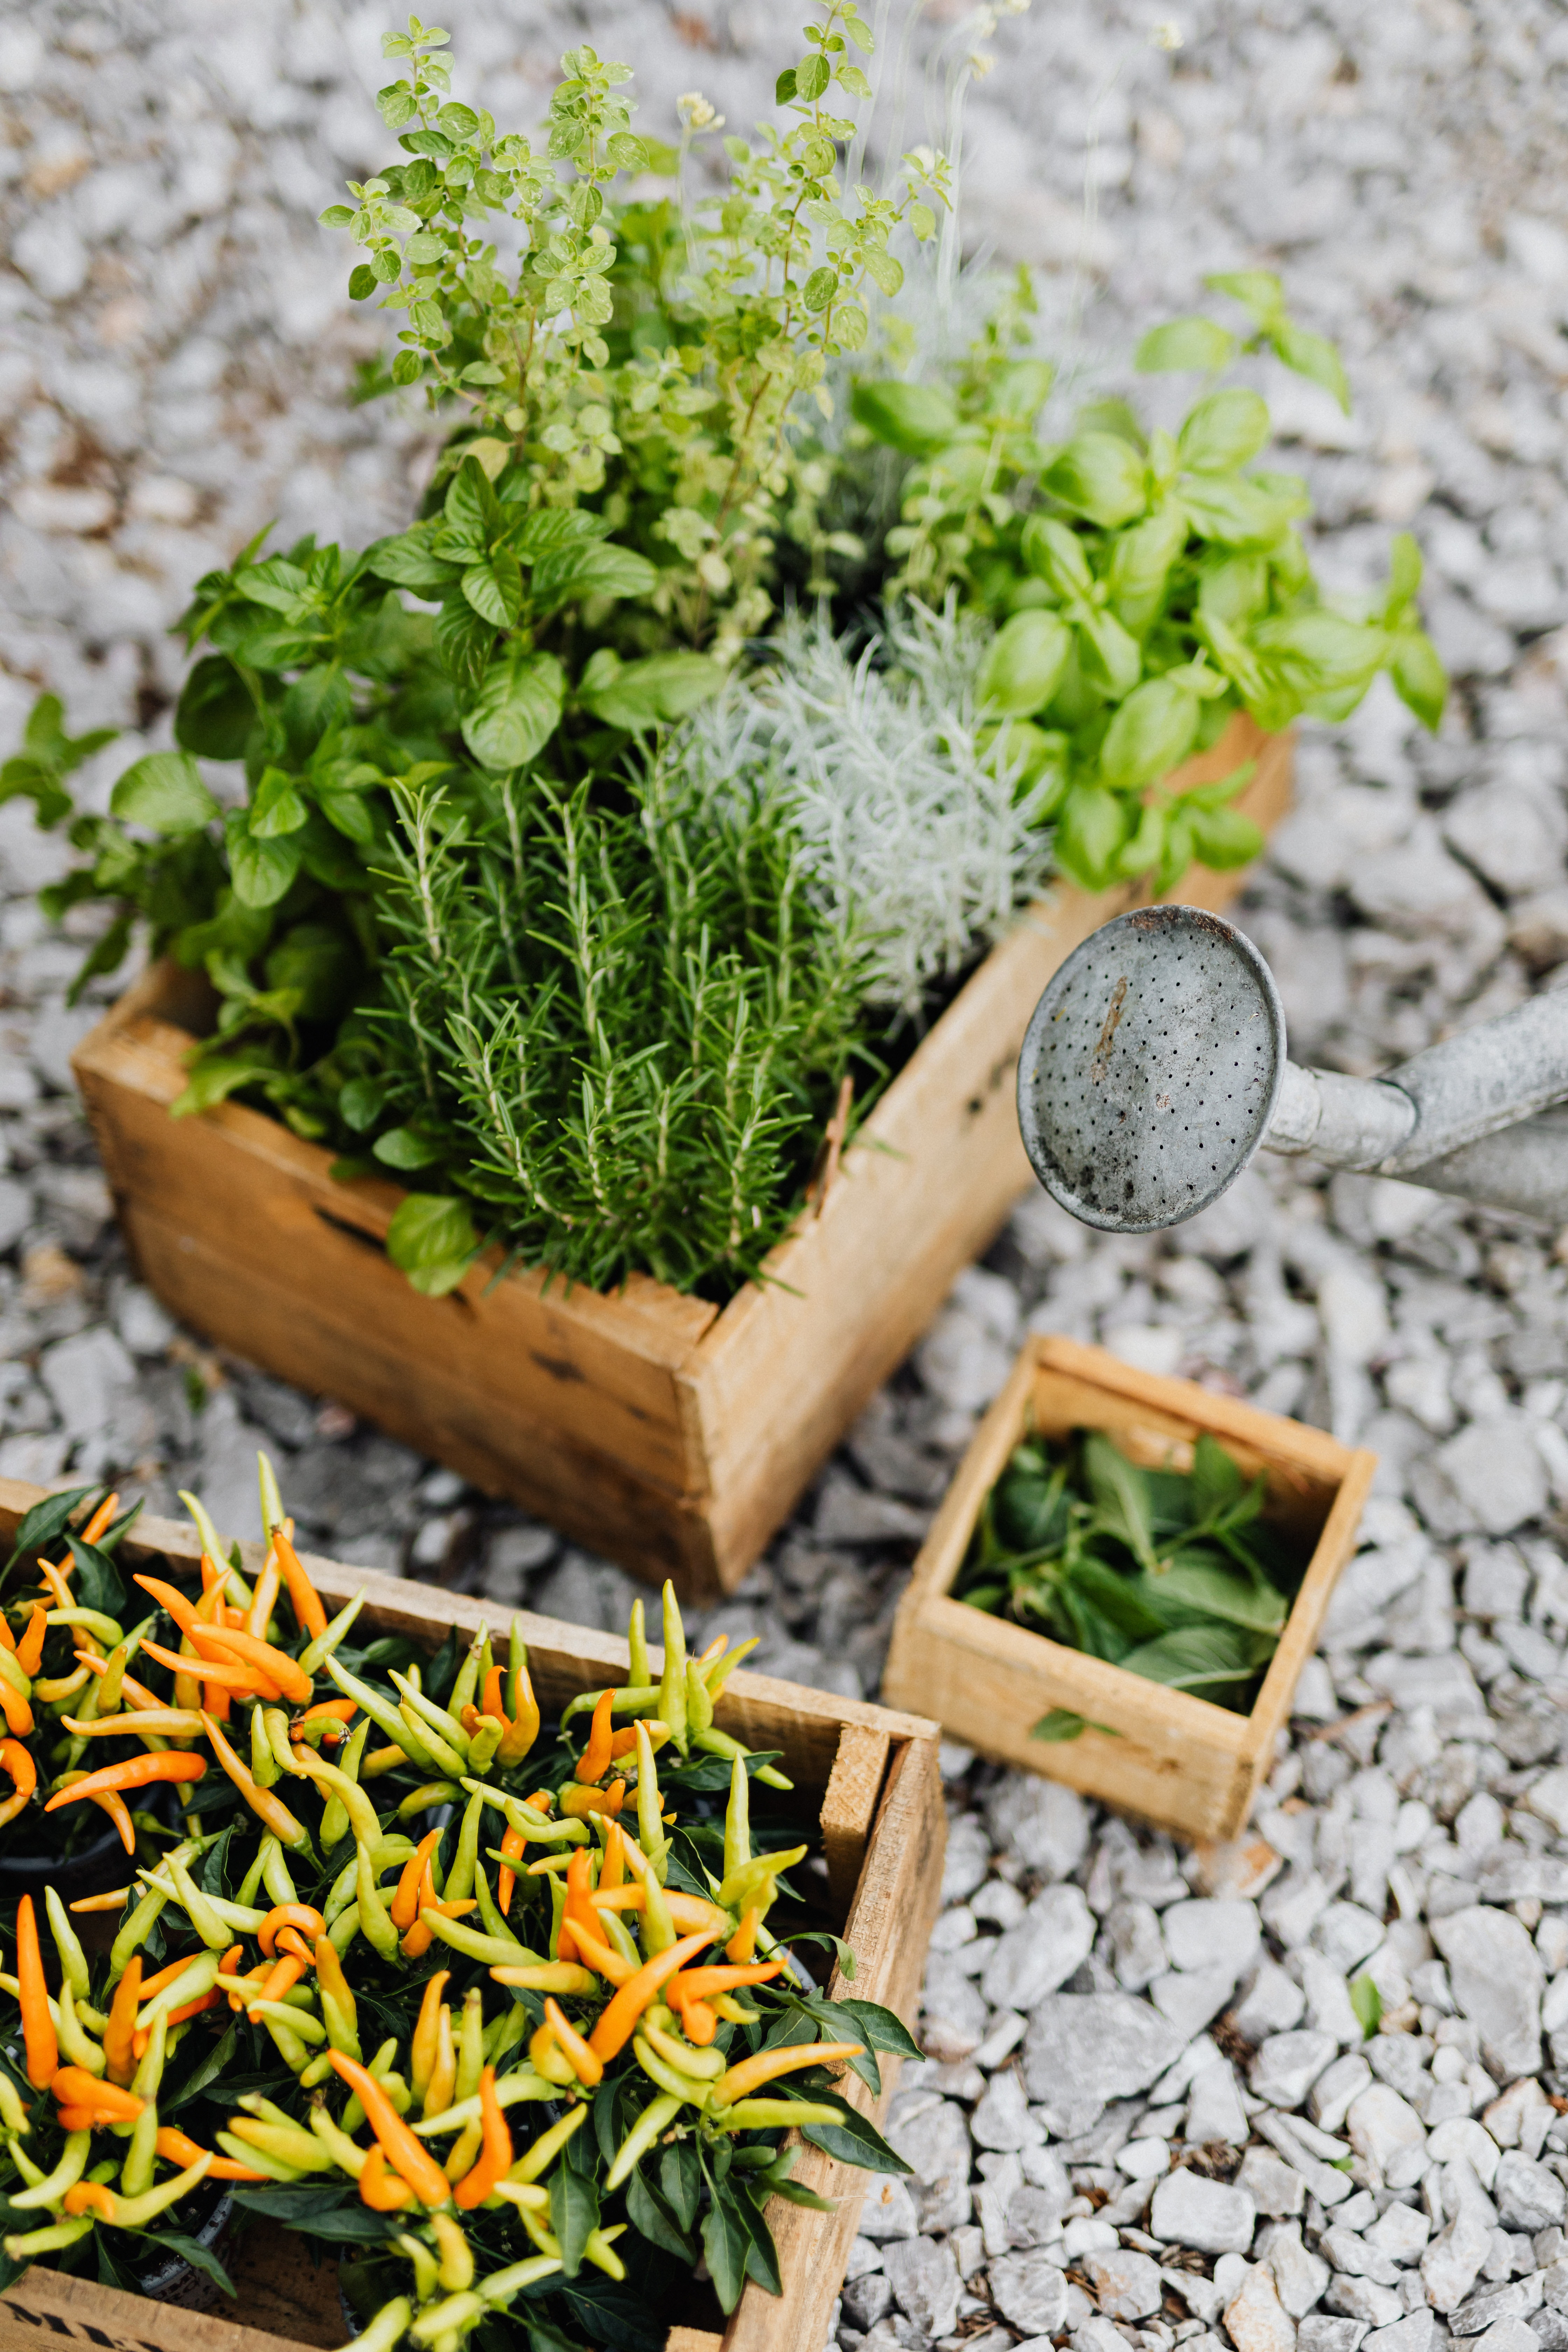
{"points": [[1153, 1070]]}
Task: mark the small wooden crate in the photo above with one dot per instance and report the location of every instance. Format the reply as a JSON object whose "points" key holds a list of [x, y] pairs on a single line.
{"points": [[871, 1776], [660, 1431], [1176, 1760]]}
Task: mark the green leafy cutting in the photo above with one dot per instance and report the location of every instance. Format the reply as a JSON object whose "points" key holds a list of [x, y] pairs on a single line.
{"points": [[1174, 1575]]}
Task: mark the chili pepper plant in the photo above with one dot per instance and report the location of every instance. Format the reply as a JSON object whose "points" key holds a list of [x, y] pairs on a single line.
{"points": [[514, 2014]]}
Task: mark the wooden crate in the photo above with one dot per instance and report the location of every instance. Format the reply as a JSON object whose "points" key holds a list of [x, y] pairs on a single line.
{"points": [[660, 1431], [871, 1775], [1176, 1760]]}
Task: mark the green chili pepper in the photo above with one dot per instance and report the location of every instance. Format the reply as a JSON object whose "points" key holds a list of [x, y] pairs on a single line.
{"points": [[638, 1669], [264, 1768], [136, 2176], [717, 1672], [654, 2119], [383, 1715], [33, 2243], [698, 1706], [650, 1818], [627, 1698], [14, 2123], [314, 1654], [362, 1818], [214, 1933], [460, 1877], [138, 1927], [73, 1960], [304, 2151], [538, 1828], [375, 1921], [77, 2047], [672, 1683], [501, 2286], [471, 2045], [424, 1800], [91, 1621], [719, 1743], [467, 1677], [278, 1739], [388, 2328], [507, 2031], [772, 2115], [738, 1819], [491, 1949], [257, 2158], [482, 1746], [548, 2146], [275, 1872], [494, 1924], [676, 2087], [65, 2174], [426, 1714]]}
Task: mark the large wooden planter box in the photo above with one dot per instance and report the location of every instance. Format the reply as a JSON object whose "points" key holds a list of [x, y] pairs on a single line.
{"points": [[670, 1435], [871, 1777], [1176, 1760]]}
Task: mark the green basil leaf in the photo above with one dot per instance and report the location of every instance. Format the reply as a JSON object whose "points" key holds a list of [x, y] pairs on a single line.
{"points": [[1258, 290], [1141, 563], [1203, 1658], [1057, 555], [1419, 678], [432, 1240], [1120, 1495], [1235, 511], [407, 1146], [1313, 356], [472, 511], [164, 792], [1025, 664], [465, 640], [217, 1076], [917, 419], [1223, 431], [1097, 475], [575, 571], [1152, 732], [494, 588], [1185, 343], [517, 709], [280, 585], [1090, 832], [1111, 658], [1224, 839], [1214, 1592], [554, 527], [1059, 1724]]}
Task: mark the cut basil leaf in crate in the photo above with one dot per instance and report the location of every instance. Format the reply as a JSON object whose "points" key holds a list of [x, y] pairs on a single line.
{"points": [[1175, 1575]]}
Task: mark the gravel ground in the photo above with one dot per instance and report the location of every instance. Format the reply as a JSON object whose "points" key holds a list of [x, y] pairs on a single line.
{"points": [[1149, 2111]]}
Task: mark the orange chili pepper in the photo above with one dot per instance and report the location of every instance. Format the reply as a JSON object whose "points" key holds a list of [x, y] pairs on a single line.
{"points": [[697, 1984], [284, 1974], [19, 1715], [411, 2159], [405, 1904], [58, 1584], [71, 2120], [100, 1521], [512, 1845], [175, 2147], [154, 1984], [120, 2028], [136, 1695], [495, 2156], [262, 1802], [341, 1710], [43, 2051], [7, 1639], [289, 1915], [382, 2191], [493, 1701], [193, 2008], [280, 1668], [743, 1942], [618, 2023], [73, 2086], [583, 2061], [308, 1613], [170, 1600], [612, 1870], [30, 1648], [114, 1806], [698, 2023], [17, 1759], [90, 2197], [135, 1773], [594, 1761], [224, 1678]]}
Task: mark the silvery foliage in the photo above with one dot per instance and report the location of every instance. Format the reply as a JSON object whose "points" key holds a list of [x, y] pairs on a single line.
{"points": [[910, 832]]}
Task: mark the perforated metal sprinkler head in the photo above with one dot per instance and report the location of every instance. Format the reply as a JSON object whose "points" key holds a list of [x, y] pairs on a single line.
{"points": [[1153, 1070]]}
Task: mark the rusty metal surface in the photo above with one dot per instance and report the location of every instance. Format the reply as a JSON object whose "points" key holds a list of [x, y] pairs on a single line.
{"points": [[1151, 1068]]}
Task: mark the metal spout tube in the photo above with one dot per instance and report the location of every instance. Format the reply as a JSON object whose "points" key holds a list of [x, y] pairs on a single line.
{"points": [[1348, 1122], [1522, 1169]]}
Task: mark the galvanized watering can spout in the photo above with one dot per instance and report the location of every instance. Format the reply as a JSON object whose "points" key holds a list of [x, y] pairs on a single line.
{"points": [[1153, 1070]]}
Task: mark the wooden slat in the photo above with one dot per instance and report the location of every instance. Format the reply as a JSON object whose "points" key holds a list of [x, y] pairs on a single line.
{"points": [[850, 1807], [925, 1188], [49, 2309], [888, 1929], [1163, 1754], [901, 1835], [666, 1436]]}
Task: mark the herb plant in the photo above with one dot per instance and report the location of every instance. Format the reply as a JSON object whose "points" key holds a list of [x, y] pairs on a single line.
{"points": [[1174, 1575], [1146, 586], [537, 2076]]}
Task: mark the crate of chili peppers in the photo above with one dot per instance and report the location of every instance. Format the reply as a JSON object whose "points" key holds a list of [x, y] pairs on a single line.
{"points": [[1124, 1583], [433, 1980]]}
